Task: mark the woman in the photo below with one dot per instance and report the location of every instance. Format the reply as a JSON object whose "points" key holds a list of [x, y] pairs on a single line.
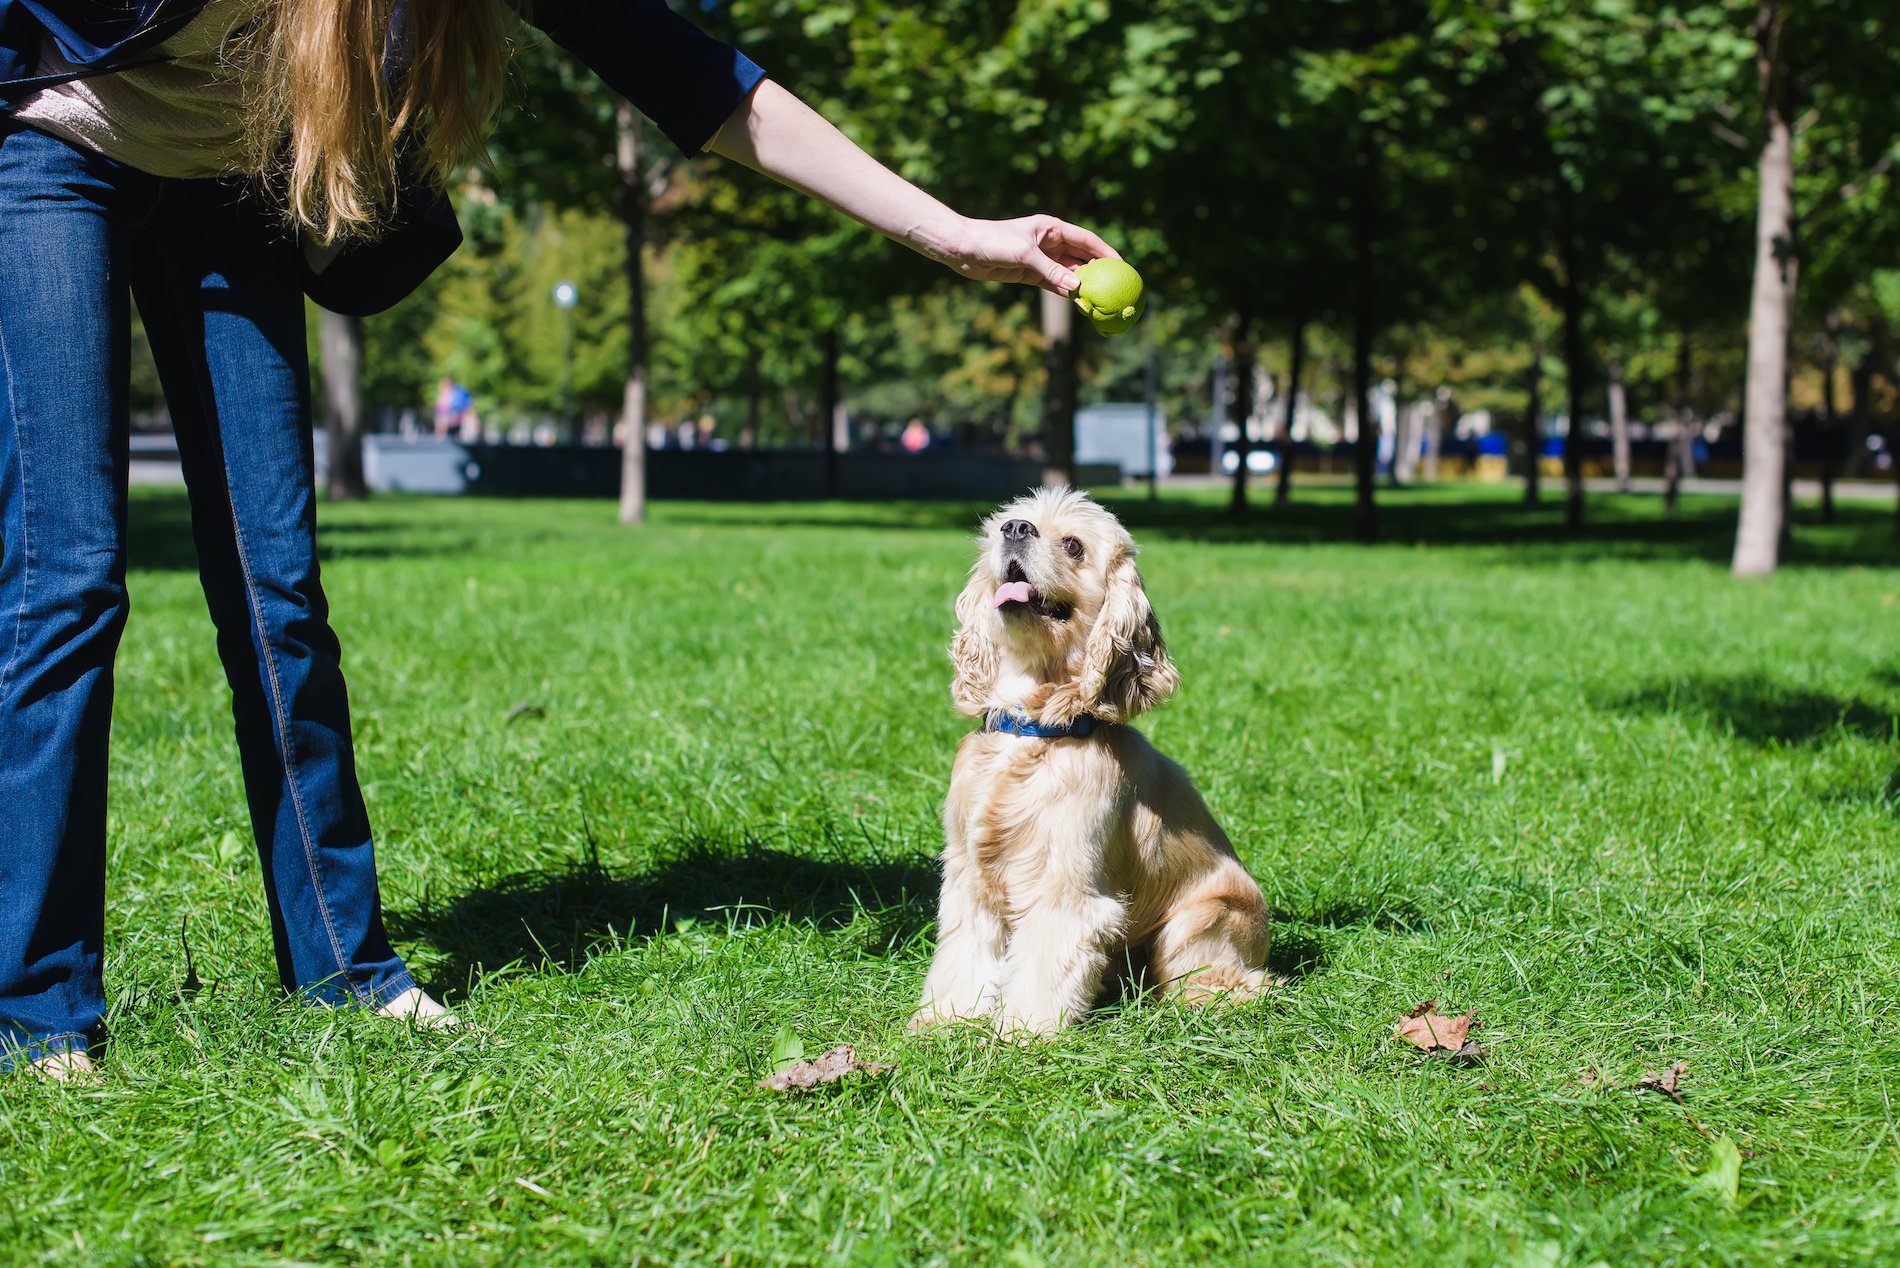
{"points": [[172, 151]]}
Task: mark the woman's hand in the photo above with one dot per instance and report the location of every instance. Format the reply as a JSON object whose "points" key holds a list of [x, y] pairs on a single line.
{"points": [[774, 132], [1035, 250]]}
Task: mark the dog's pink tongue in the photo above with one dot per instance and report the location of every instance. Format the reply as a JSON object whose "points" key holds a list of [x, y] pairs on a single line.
{"points": [[1012, 592]]}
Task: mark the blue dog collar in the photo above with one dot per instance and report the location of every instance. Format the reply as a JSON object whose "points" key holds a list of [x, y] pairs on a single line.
{"points": [[1015, 723]]}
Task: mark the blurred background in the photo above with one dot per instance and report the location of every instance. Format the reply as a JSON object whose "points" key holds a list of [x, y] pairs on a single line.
{"points": [[1555, 242]]}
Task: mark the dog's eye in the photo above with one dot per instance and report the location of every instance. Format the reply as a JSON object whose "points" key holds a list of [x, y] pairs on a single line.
{"points": [[1074, 548]]}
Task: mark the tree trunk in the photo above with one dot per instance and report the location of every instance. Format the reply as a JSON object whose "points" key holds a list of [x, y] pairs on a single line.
{"points": [[1787, 462], [633, 399], [1366, 447], [1764, 444], [1405, 428], [1058, 391], [1577, 383], [1680, 463], [1854, 446], [1217, 409], [1534, 427], [754, 391], [1404, 468], [829, 410], [340, 341], [1283, 476], [1619, 424], [1830, 413], [1442, 416], [1240, 404]]}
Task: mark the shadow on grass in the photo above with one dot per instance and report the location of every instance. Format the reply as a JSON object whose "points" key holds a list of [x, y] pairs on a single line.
{"points": [[1294, 955], [558, 918], [159, 537], [1397, 915], [1762, 712]]}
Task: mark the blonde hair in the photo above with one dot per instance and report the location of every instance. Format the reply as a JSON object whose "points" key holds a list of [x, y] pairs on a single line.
{"points": [[337, 97]]}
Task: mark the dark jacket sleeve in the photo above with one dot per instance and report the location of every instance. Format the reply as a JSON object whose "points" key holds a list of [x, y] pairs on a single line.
{"points": [[674, 73]]}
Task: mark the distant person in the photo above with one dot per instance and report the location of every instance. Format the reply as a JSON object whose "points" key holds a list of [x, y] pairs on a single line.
{"points": [[172, 149], [453, 403], [916, 437], [444, 405]]}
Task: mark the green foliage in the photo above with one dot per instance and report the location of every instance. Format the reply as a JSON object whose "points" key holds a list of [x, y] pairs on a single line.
{"points": [[1222, 147], [1723, 1179], [590, 252], [787, 1049]]}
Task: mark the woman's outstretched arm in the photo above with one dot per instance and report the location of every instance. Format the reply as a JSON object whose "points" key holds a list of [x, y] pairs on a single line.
{"points": [[774, 132]]}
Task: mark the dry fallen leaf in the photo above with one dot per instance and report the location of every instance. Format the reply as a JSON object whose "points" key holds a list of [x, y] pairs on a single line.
{"points": [[1667, 1082], [1588, 1076], [1426, 1029], [829, 1068]]}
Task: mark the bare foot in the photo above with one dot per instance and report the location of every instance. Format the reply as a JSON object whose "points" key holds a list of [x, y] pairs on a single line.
{"points": [[72, 1066], [419, 1008]]}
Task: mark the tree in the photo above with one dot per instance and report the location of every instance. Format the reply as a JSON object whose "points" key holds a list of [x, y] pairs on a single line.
{"points": [[342, 342], [1057, 106], [1825, 133], [1759, 532], [577, 144], [1588, 145]]}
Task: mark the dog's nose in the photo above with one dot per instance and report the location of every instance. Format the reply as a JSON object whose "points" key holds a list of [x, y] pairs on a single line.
{"points": [[1018, 531]]}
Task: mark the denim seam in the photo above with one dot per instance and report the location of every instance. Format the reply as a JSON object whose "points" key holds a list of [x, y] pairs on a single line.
{"points": [[293, 773], [280, 718], [13, 1049], [26, 539], [389, 990]]}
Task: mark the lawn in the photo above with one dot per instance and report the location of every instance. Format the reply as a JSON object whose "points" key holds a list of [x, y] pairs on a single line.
{"points": [[646, 797]]}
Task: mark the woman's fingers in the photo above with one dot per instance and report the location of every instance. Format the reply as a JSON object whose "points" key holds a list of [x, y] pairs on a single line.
{"points": [[1075, 240], [1067, 247], [1051, 274], [1037, 250]]}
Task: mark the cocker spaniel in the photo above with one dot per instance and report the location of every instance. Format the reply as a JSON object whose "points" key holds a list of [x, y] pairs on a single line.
{"points": [[1069, 841]]}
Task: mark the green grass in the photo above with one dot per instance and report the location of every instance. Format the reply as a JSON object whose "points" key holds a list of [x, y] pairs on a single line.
{"points": [[644, 797]]}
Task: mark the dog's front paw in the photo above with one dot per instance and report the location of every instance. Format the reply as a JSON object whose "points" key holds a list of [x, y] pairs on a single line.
{"points": [[933, 1013], [1028, 1027]]}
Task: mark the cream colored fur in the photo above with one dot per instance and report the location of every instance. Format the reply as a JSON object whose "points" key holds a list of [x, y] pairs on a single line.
{"points": [[1062, 855]]}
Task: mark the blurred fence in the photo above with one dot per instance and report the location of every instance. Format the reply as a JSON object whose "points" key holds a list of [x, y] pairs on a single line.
{"points": [[393, 464]]}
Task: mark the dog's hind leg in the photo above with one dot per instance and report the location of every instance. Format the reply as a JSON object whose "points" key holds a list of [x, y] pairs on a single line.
{"points": [[1213, 944]]}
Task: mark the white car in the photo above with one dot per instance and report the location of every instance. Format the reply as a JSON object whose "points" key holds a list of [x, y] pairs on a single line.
{"points": [[1259, 461]]}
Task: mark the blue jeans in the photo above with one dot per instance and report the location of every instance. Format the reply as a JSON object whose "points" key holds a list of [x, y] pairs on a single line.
{"points": [[217, 283]]}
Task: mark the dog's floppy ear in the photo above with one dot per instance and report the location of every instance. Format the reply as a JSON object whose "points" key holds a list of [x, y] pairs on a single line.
{"points": [[973, 651], [1125, 666]]}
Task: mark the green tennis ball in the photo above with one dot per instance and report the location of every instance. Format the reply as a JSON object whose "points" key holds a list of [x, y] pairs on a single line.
{"points": [[1109, 292]]}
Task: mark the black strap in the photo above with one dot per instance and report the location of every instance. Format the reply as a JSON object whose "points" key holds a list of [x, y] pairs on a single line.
{"points": [[15, 89]]}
